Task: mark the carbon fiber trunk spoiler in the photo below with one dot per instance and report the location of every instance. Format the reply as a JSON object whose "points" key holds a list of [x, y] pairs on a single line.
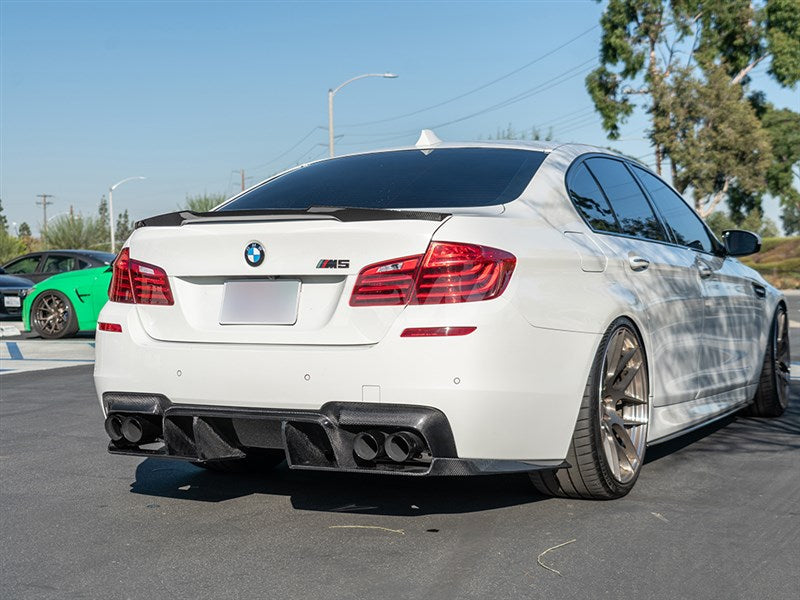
{"points": [[345, 215]]}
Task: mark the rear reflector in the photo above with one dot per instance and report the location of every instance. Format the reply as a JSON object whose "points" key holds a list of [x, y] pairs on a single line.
{"points": [[436, 331], [135, 282], [449, 272], [113, 327]]}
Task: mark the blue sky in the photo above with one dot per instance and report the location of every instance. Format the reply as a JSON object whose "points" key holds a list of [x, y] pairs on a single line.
{"points": [[185, 93]]}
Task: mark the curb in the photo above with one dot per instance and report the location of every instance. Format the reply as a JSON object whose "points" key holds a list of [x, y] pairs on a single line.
{"points": [[8, 331]]}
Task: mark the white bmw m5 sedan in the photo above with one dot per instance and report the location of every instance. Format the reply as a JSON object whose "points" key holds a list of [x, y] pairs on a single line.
{"points": [[442, 309]]}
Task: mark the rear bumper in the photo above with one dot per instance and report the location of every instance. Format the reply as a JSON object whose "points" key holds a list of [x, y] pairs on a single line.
{"points": [[509, 391], [316, 440]]}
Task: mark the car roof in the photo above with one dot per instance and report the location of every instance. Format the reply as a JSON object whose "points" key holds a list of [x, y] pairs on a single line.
{"points": [[90, 253], [533, 145]]}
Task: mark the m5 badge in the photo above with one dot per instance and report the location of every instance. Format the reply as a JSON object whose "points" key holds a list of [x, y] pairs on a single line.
{"points": [[334, 263]]}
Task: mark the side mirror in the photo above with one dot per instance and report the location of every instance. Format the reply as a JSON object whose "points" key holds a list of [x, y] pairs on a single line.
{"points": [[741, 243]]}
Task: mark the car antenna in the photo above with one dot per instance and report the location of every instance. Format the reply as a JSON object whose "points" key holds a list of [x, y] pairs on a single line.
{"points": [[426, 140]]}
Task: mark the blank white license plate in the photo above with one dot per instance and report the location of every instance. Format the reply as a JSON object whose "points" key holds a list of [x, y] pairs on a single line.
{"points": [[260, 302], [12, 301]]}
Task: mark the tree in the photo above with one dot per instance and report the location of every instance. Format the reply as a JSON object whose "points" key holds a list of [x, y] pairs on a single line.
{"points": [[719, 221], [713, 137], [656, 49], [203, 202], [10, 246], [103, 240], [3, 220], [534, 133], [102, 209], [124, 228], [756, 222], [791, 219], [783, 129], [76, 231], [25, 230]]}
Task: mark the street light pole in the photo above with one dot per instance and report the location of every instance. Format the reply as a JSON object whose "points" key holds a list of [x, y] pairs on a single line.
{"points": [[111, 209], [332, 93]]}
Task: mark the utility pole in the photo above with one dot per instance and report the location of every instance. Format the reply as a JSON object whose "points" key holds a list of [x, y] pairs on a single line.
{"points": [[44, 204], [241, 172]]}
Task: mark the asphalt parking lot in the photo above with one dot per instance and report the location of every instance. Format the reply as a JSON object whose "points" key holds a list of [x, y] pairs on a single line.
{"points": [[713, 515]]}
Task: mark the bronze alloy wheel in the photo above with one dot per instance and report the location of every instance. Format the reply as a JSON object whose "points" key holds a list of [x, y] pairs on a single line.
{"points": [[780, 352], [610, 438], [52, 316], [623, 405]]}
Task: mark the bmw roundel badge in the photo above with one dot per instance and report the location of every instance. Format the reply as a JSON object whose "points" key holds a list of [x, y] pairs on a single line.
{"points": [[254, 254]]}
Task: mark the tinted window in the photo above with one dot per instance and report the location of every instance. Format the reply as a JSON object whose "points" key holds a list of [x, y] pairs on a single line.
{"points": [[685, 225], [633, 212], [591, 203], [23, 265], [56, 263], [103, 257], [448, 177]]}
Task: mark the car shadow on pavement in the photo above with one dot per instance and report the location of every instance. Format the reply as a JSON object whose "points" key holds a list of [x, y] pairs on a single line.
{"points": [[337, 492], [739, 433], [406, 496]]}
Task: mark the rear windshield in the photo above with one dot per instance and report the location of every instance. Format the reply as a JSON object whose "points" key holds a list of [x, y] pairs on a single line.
{"points": [[443, 178]]}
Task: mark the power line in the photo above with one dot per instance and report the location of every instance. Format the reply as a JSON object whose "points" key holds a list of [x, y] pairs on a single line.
{"points": [[544, 86], [284, 153], [480, 87]]}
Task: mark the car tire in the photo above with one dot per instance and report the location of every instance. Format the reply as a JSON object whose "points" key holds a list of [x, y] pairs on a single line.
{"points": [[53, 316], [254, 462], [772, 394], [607, 448]]}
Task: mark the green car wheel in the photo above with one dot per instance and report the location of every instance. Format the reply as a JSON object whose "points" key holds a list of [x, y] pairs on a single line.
{"points": [[53, 316]]}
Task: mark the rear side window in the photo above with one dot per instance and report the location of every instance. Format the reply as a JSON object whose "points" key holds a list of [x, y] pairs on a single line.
{"points": [[590, 201], [443, 178], [685, 225], [635, 216], [23, 265], [57, 263]]}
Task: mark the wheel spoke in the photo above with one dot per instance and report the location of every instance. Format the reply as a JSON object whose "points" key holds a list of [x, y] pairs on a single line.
{"points": [[614, 353], [610, 447], [626, 380]]}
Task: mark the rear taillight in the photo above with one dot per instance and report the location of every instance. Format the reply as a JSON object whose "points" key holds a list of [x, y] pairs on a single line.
{"points": [[449, 272], [453, 272], [135, 282], [389, 283]]}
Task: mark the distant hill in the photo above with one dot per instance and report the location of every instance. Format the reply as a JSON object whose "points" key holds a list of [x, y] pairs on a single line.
{"points": [[778, 262]]}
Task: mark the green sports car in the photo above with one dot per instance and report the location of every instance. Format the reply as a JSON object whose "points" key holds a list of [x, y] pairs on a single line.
{"points": [[64, 304]]}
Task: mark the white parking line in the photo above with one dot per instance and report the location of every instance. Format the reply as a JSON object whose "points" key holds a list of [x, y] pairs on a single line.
{"points": [[38, 355]]}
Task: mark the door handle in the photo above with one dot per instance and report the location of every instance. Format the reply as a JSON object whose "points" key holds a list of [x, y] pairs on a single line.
{"points": [[704, 270], [638, 263]]}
